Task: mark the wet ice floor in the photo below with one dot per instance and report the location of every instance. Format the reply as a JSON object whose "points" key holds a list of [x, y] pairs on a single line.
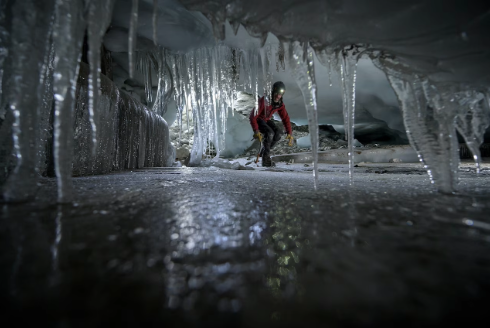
{"points": [[200, 246]]}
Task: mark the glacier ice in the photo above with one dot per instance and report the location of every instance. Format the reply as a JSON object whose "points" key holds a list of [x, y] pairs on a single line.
{"points": [[432, 112], [31, 26], [302, 66], [99, 16], [133, 26], [68, 36], [347, 59], [41, 50]]}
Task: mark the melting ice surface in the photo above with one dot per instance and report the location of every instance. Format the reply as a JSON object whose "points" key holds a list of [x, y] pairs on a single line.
{"points": [[204, 82]]}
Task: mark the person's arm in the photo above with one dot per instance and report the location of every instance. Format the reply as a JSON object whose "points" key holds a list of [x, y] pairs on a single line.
{"points": [[285, 119]]}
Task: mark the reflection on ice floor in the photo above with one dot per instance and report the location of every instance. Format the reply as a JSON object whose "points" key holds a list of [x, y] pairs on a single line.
{"points": [[198, 246]]}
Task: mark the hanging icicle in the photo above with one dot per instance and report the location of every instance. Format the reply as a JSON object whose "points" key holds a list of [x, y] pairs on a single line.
{"points": [[280, 56], [348, 64], [144, 64], [4, 41], [254, 61], [429, 124], [68, 37], [472, 120], [133, 36], [99, 17], [155, 22], [265, 55], [30, 29], [304, 73], [165, 83], [326, 57], [46, 104]]}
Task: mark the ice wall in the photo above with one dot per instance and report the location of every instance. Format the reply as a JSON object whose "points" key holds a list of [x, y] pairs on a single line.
{"points": [[130, 136]]}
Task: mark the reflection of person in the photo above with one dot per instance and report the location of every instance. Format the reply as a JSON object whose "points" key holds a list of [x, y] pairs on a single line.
{"points": [[264, 129]]}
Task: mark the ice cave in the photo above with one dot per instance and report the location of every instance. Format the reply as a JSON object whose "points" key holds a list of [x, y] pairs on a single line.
{"points": [[244, 163]]}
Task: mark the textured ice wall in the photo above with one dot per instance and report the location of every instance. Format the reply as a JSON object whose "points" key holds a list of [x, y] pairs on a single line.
{"points": [[130, 136]]}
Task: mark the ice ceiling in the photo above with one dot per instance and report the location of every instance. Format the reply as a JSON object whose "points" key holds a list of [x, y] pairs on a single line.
{"points": [[429, 58]]}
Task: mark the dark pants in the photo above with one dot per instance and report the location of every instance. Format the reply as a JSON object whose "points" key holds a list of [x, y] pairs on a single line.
{"points": [[271, 135]]}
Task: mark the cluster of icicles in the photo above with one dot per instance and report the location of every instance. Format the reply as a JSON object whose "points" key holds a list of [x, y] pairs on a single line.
{"points": [[204, 82]]}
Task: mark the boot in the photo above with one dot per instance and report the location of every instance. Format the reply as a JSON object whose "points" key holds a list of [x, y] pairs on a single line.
{"points": [[266, 161]]}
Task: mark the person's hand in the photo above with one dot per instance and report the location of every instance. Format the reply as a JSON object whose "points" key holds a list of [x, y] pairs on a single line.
{"points": [[290, 137], [258, 135]]}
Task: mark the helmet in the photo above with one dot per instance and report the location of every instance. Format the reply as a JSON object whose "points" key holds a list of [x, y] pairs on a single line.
{"points": [[278, 87]]}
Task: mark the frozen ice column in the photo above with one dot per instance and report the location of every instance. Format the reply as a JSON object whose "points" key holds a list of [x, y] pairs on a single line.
{"points": [[429, 125], [30, 27], [304, 73]]}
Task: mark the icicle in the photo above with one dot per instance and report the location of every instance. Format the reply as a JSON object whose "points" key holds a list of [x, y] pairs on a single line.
{"points": [[144, 65], [280, 57], [187, 69], [174, 67], [254, 60], [217, 20], [155, 21], [46, 105], [215, 72], [304, 73], [4, 41], [182, 100], [165, 91], [236, 73], [158, 106], [30, 30], [330, 68], [305, 50], [348, 64], [99, 17], [265, 55], [430, 126], [235, 25], [197, 147], [263, 39], [325, 58], [68, 37], [133, 30], [247, 70], [472, 118], [147, 78]]}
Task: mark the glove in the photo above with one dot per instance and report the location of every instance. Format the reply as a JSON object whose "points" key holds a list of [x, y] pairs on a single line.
{"points": [[258, 135], [290, 137]]}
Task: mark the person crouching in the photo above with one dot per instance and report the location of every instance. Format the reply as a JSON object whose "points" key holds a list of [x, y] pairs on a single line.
{"points": [[264, 129]]}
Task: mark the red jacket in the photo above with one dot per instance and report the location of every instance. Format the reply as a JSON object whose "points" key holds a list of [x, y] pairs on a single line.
{"points": [[265, 113]]}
